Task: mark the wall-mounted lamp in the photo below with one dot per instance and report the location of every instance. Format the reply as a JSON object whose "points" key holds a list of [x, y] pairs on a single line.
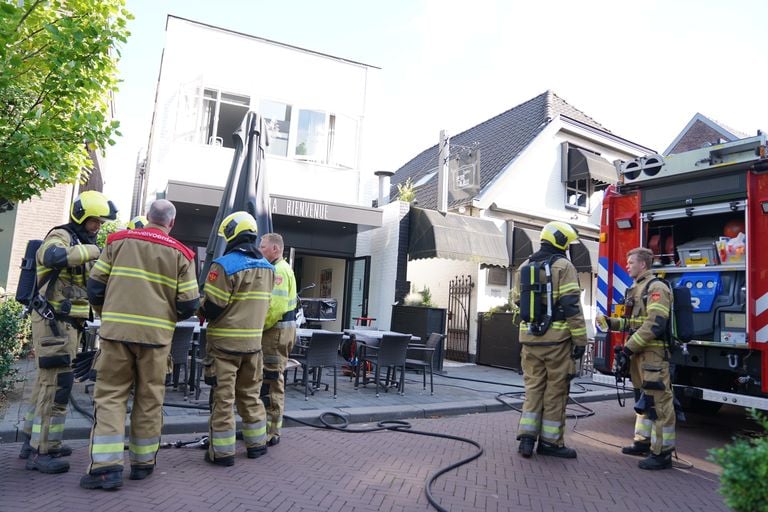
{"points": [[764, 204], [625, 223]]}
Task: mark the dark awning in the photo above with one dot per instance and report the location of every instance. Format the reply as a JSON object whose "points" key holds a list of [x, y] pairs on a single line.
{"points": [[584, 165], [525, 241], [584, 255], [459, 237]]}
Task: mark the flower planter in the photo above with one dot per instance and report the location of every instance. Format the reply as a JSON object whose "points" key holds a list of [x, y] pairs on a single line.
{"points": [[498, 341], [421, 322]]}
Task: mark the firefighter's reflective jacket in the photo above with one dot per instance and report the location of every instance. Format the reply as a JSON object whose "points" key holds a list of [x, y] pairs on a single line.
{"points": [[647, 316], [73, 262], [282, 307], [152, 285], [238, 289]]}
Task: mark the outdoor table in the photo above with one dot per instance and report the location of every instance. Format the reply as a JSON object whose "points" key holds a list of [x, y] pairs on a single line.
{"points": [[369, 338], [304, 335], [372, 337]]}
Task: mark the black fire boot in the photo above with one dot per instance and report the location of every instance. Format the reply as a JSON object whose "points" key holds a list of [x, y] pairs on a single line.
{"points": [[639, 448], [526, 447], [222, 461], [27, 450], [140, 472], [46, 463], [274, 441], [104, 478], [552, 450], [256, 451], [654, 462]]}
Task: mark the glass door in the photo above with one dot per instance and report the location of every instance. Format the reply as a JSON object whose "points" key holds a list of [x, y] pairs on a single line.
{"points": [[358, 275]]}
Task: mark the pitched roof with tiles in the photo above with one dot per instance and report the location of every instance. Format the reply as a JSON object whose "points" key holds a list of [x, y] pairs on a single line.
{"points": [[500, 140]]}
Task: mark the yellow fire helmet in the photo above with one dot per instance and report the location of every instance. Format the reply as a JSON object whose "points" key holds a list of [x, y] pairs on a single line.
{"points": [[92, 204], [138, 222], [237, 223], [559, 234]]}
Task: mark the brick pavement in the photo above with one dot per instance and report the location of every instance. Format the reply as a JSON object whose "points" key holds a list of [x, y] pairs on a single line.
{"points": [[314, 470]]}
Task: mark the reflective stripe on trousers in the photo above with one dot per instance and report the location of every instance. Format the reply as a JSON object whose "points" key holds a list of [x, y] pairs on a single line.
{"points": [[546, 372], [276, 343], [107, 450], [143, 451], [50, 394], [642, 428], [121, 367], [223, 443], [238, 384], [255, 434]]}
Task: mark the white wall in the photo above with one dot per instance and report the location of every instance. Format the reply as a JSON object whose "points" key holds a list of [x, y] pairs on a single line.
{"points": [[382, 244], [533, 183], [436, 274], [197, 57], [489, 296]]}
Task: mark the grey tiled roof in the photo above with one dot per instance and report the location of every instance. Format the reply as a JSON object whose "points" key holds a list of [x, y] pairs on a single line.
{"points": [[500, 140]]}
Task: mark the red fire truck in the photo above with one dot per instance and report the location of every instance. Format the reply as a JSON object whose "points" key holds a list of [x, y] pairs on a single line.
{"points": [[704, 214]]}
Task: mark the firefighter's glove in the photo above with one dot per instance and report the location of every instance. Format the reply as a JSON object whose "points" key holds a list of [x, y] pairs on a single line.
{"points": [[603, 323], [622, 360], [578, 352], [82, 366]]}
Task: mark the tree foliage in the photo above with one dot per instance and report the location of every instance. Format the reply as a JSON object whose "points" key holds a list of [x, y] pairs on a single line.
{"points": [[58, 72], [107, 229]]}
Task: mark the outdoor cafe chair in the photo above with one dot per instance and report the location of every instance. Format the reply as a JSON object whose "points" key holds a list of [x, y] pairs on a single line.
{"points": [[322, 352], [199, 358], [180, 345], [390, 354], [422, 357]]}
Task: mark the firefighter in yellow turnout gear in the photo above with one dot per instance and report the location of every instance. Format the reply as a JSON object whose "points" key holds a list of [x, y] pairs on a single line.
{"points": [[553, 336], [143, 283], [279, 334], [63, 263], [235, 301], [646, 357]]}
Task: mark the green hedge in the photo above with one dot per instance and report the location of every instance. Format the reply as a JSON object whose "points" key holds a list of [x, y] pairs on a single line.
{"points": [[744, 481], [15, 336]]}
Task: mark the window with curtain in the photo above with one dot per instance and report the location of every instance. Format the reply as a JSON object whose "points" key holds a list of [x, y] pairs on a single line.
{"points": [[312, 136], [277, 117]]}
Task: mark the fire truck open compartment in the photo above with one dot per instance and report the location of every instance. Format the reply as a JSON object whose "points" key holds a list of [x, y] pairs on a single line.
{"points": [[704, 215], [685, 242]]}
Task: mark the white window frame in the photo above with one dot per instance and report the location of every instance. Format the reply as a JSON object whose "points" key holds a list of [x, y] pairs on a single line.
{"points": [[213, 139], [331, 153], [588, 188]]}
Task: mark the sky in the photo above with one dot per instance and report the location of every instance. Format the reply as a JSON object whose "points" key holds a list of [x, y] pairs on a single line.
{"points": [[642, 69]]}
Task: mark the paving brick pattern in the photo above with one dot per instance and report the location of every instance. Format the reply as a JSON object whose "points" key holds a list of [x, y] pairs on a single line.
{"points": [[320, 470]]}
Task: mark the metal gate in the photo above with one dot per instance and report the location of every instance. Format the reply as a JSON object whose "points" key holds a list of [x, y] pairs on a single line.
{"points": [[459, 299]]}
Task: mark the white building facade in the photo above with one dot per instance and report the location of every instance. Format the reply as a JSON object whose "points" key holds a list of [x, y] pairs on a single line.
{"points": [[315, 107], [540, 161]]}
